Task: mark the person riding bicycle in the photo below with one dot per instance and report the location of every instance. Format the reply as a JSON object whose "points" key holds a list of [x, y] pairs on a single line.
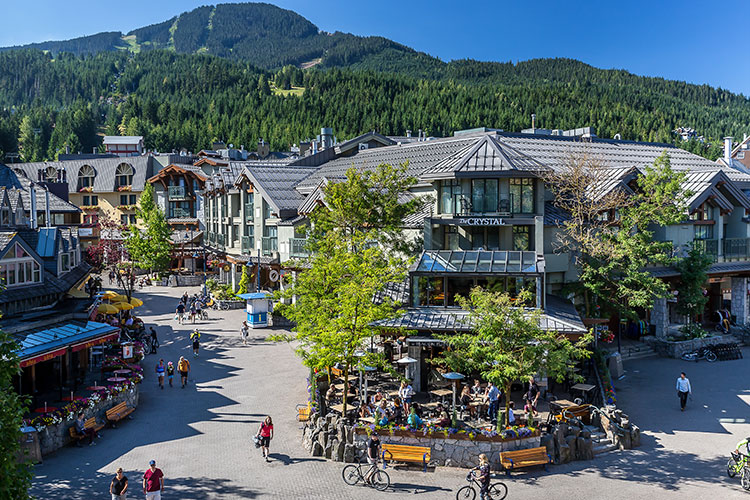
{"points": [[373, 452], [746, 443], [484, 475]]}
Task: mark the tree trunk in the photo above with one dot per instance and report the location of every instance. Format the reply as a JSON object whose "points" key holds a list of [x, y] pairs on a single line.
{"points": [[346, 386]]}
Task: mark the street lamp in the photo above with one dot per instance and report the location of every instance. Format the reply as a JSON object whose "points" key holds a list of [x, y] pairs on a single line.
{"points": [[407, 361], [367, 369], [453, 377]]}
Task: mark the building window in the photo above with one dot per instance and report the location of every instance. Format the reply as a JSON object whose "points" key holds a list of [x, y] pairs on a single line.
{"points": [[266, 210], [522, 238], [741, 155], [450, 197], [522, 196], [429, 291], [703, 212], [132, 218], [451, 238], [90, 200], [124, 175], [704, 232], [50, 174], [17, 267], [86, 176], [484, 195], [4, 216], [90, 219], [124, 220]]}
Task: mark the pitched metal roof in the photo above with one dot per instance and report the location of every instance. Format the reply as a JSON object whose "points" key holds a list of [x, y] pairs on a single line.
{"points": [[275, 183], [486, 156], [122, 139], [366, 137], [18, 189], [41, 340]]}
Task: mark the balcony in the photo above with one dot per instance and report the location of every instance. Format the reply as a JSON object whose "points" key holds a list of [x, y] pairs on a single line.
{"points": [[248, 244], [298, 247], [177, 193], [221, 241], [249, 215], [179, 213], [269, 245], [736, 249]]}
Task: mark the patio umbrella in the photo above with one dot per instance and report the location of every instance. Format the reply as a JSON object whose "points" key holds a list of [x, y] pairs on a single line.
{"points": [[119, 298], [123, 306], [109, 294], [136, 302], [107, 309]]}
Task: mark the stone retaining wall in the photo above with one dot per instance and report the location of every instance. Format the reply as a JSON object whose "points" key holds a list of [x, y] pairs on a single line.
{"points": [[676, 349], [54, 437]]}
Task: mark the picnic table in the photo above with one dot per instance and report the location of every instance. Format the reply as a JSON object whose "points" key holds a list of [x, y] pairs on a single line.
{"points": [[340, 407], [367, 420], [584, 389], [560, 404], [441, 393]]}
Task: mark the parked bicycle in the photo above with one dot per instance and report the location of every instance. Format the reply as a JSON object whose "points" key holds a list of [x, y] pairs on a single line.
{"points": [[353, 474], [702, 353], [738, 464], [496, 491]]}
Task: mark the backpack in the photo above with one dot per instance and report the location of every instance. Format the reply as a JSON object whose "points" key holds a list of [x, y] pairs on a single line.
{"points": [[182, 365]]}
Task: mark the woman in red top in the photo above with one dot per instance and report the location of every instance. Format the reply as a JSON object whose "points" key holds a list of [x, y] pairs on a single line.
{"points": [[265, 434]]}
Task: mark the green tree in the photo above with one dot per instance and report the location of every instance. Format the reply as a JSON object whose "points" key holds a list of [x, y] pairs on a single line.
{"points": [[30, 144], [611, 236], [507, 344], [149, 247], [690, 298], [244, 281], [352, 261], [15, 475]]}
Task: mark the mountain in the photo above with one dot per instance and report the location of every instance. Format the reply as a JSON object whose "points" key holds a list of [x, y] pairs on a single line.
{"points": [[262, 34]]}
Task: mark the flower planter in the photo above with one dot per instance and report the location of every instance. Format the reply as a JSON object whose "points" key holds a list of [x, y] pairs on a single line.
{"points": [[675, 349], [440, 434]]}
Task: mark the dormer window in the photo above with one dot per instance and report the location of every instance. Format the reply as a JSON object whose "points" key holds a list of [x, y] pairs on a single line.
{"points": [[124, 175], [50, 174], [86, 177], [17, 267]]}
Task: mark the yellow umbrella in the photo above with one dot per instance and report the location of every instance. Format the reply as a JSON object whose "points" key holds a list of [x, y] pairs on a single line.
{"points": [[119, 298], [122, 306], [136, 302], [109, 294], [107, 309]]}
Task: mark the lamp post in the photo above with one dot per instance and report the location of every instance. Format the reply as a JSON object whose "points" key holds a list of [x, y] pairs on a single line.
{"points": [[407, 361], [453, 377], [359, 354], [367, 369]]}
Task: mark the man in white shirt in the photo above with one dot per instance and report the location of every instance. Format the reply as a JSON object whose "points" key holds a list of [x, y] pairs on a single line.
{"points": [[683, 390]]}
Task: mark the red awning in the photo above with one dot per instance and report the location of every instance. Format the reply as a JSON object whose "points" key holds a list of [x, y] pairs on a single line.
{"points": [[93, 342], [42, 357]]}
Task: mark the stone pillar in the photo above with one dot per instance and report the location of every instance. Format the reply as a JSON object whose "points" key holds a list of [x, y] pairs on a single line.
{"points": [[739, 300], [415, 351], [660, 317], [234, 277]]}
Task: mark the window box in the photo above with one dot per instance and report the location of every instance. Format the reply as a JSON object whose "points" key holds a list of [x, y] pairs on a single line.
{"points": [[124, 188], [86, 189], [90, 207]]}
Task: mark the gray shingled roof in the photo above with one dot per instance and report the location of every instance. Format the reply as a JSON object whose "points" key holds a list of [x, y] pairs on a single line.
{"points": [[104, 182], [275, 183], [19, 187], [419, 155]]}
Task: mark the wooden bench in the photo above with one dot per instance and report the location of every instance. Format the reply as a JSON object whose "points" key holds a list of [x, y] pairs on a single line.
{"points": [[511, 460], [337, 372], [91, 423], [404, 453], [581, 412], [118, 412], [303, 413], [74, 434]]}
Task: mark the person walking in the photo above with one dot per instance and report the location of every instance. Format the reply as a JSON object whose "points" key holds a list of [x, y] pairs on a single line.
{"points": [[683, 390], [192, 312], [484, 476], [154, 340], [196, 338], [532, 397], [493, 395], [406, 393], [153, 482], [160, 369], [265, 434], [180, 311], [118, 488], [170, 373], [244, 332], [183, 366]]}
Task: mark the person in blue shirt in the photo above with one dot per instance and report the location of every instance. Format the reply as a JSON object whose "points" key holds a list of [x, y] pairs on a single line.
{"points": [[414, 421], [493, 395], [683, 390]]}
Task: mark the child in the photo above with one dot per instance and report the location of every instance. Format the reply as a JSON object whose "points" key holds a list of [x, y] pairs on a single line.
{"points": [[170, 372], [484, 475]]}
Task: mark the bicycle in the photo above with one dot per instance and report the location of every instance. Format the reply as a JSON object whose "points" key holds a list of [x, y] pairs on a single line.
{"points": [[496, 491], [702, 352], [738, 464], [352, 474]]}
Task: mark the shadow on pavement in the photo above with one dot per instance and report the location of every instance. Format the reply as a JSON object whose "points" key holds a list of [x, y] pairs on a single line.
{"points": [[287, 460]]}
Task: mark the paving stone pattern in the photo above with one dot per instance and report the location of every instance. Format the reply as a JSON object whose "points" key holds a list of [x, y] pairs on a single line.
{"points": [[201, 436]]}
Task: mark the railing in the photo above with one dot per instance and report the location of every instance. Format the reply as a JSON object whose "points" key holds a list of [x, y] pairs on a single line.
{"points": [[248, 242], [736, 248], [179, 213], [708, 247], [298, 247], [269, 244], [176, 193], [249, 215]]}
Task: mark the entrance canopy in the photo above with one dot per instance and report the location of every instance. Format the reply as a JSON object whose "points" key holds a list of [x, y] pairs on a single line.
{"points": [[479, 262], [50, 342]]}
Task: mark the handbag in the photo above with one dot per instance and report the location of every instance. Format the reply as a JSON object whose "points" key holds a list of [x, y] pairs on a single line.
{"points": [[256, 440], [176, 317]]}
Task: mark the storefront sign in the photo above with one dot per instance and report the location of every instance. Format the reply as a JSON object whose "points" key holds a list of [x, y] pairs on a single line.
{"points": [[483, 221], [42, 358], [92, 343], [85, 231], [127, 351], [480, 221]]}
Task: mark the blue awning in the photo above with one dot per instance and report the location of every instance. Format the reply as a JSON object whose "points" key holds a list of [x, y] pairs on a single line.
{"points": [[49, 342], [255, 295]]}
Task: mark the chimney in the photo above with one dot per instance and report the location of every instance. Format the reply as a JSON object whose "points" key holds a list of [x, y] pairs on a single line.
{"points": [[419, 137], [32, 208], [728, 149], [408, 133], [314, 147], [326, 137], [46, 208], [533, 120], [67, 150], [93, 150]]}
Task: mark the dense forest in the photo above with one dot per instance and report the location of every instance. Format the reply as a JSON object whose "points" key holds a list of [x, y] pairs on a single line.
{"points": [[186, 101]]}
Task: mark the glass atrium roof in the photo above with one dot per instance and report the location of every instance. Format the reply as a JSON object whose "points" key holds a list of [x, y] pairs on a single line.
{"points": [[479, 262]]}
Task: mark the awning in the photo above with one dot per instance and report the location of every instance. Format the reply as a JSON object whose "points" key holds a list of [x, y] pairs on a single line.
{"points": [[485, 263], [43, 344]]}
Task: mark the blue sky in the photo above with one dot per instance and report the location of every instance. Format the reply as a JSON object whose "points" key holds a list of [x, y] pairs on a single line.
{"points": [[689, 40]]}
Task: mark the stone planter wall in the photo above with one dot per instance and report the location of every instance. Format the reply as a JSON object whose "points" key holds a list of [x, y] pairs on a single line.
{"points": [[54, 437], [189, 280], [670, 349], [281, 322], [233, 304]]}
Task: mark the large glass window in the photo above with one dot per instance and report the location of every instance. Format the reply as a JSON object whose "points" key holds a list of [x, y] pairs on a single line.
{"points": [[429, 291], [484, 195], [704, 232], [86, 176], [458, 287], [450, 197], [522, 238], [17, 267], [451, 238], [522, 196], [124, 175]]}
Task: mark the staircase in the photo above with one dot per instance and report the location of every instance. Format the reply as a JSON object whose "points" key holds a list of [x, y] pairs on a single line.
{"points": [[602, 444], [639, 351]]}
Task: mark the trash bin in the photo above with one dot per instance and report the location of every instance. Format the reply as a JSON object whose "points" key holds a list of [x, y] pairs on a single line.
{"points": [[615, 366], [30, 449]]}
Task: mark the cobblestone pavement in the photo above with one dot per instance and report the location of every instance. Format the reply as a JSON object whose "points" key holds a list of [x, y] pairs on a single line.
{"points": [[201, 436]]}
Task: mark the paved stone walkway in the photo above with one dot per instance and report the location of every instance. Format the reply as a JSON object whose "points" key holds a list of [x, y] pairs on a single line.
{"points": [[201, 436]]}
